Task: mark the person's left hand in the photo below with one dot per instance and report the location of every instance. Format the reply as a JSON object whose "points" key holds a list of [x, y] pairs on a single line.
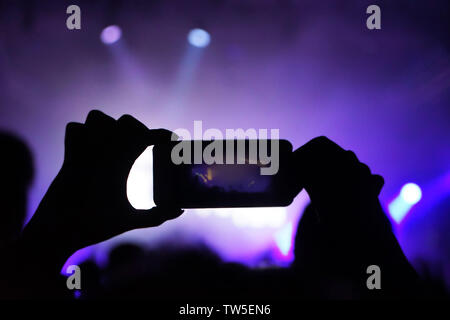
{"points": [[87, 202]]}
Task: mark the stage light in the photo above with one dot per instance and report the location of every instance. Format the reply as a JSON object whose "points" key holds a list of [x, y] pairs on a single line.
{"points": [[411, 193], [111, 34], [199, 38]]}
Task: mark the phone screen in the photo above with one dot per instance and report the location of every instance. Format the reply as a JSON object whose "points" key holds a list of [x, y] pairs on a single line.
{"points": [[241, 180]]}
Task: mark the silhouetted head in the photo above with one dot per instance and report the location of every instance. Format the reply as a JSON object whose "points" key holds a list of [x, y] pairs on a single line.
{"points": [[16, 171]]}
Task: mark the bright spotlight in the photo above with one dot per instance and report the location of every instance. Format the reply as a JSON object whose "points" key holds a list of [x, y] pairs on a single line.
{"points": [[411, 193], [199, 38], [111, 34]]}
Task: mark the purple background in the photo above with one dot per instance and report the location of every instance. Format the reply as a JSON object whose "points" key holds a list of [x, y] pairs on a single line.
{"points": [[308, 68]]}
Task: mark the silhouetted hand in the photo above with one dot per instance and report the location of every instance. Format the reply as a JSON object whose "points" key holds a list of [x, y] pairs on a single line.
{"points": [[345, 230], [344, 195], [334, 177], [87, 201]]}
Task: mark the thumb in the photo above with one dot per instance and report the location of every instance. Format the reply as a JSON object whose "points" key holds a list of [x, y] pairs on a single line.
{"points": [[152, 217]]}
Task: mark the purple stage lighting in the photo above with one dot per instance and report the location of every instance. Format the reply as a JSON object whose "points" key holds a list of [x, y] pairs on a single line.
{"points": [[410, 194], [111, 34], [283, 239]]}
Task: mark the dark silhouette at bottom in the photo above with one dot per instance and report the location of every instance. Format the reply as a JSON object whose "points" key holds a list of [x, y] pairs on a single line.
{"points": [[341, 233]]}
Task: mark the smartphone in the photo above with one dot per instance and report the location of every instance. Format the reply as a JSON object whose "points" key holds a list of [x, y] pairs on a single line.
{"points": [[222, 173]]}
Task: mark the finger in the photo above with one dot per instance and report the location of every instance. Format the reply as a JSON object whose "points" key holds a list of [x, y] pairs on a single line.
{"points": [[375, 182], [158, 136], [74, 140], [316, 150], [311, 161], [74, 131], [136, 137], [153, 217], [131, 137], [352, 162], [350, 156], [135, 130], [364, 169], [100, 124], [132, 128]]}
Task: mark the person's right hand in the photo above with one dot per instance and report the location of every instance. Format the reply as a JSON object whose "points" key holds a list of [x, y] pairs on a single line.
{"points": [[346, 230], [334, 178]]}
